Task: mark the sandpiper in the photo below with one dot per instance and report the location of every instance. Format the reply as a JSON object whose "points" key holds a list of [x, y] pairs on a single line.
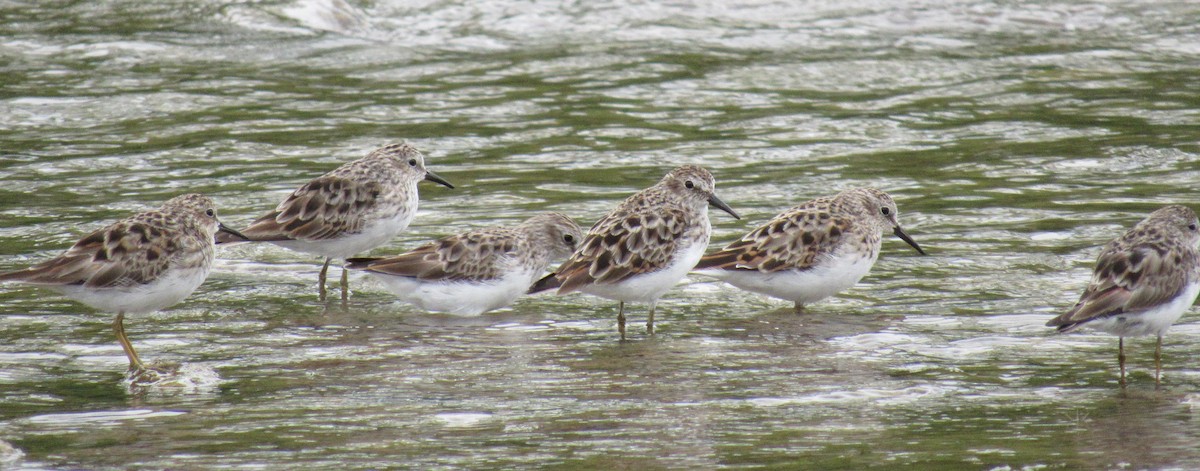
{"points": [[479, 270], [645, 245], [1143, 282], [812, 251], [356, 207], [139, 264]]}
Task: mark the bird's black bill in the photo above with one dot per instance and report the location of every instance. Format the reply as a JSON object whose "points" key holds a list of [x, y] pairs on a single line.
{"points": [[900, 233], [717, 203], [227, 230], [433, 177]]}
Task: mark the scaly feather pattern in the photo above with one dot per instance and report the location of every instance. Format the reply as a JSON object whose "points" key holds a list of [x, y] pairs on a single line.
{"points": [[809, 234], [1145, 268], [134, 251], [796, 239], [645, 245], [476, 271], [356, 207], [811, 251], [482, 254], [380, 186], [142, 263], [643, 234]]}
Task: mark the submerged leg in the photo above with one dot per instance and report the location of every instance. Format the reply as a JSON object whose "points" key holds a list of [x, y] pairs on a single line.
{"points": [[650, 319], [321, 280], [1157, 361], [345, 286], [118, 325], [1121, 358], [621, 319]]}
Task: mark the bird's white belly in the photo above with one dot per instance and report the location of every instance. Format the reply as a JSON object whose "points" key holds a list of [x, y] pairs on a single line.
{"points": [[1149, 322], [460, 297], [651, 286], [167, 290], [801, 286]]}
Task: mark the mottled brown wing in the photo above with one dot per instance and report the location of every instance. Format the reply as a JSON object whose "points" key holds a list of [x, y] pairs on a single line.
{"points": [[471, 256], [619, 247], [126, 253], [1125, 280], [795, 239], [324, 208]]}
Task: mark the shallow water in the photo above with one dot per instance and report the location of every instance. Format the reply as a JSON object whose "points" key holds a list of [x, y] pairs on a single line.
{"points": [[1016, 138]]}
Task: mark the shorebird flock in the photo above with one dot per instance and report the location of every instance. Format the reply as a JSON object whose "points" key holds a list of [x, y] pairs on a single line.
{"points": [[1143, 281]]}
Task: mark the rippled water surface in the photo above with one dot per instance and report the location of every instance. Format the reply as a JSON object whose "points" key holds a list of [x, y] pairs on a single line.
{"points": [[1016, 137]]}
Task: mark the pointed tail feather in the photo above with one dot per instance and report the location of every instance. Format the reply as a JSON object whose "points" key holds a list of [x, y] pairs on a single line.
{"points": [[715, 260], [1062, 325], [1071, 321], [227, 238], [1064, 322], [361, 263], [720, 260], [18, 275], [547, 282]]}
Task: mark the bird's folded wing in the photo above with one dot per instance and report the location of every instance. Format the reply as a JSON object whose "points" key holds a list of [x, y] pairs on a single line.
{"points": [[324, 208]]}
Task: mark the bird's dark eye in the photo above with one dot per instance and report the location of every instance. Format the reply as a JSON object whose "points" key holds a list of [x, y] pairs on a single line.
{"points": [[412, 162], [210, 213], [689, 184], [885, 210], [568, 238], [1192, 226]]}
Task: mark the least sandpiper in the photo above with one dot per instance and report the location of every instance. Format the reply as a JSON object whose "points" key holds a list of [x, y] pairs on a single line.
{"points": [[1143, 282], [357, 207], [476, 271], [139, 264], [812, 251], [644, 246]]}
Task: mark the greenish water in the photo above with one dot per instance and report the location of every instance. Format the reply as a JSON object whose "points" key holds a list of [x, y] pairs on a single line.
{"points": [[1016, 137]]}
